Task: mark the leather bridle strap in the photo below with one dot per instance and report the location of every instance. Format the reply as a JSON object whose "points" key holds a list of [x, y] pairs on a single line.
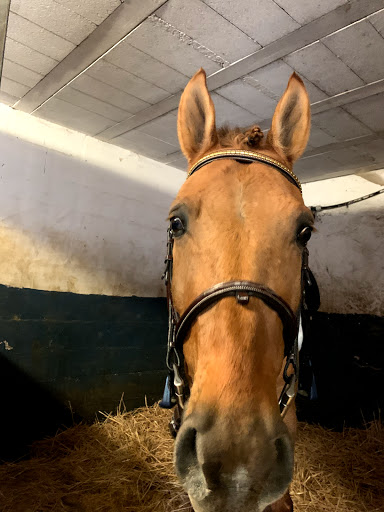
{"points": [[246, 156], [242, 290], [178, 328]]}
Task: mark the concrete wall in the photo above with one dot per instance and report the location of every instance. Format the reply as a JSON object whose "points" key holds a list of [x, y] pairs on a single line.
{"points": [[80, 215], [347, 251], [77, 214]]}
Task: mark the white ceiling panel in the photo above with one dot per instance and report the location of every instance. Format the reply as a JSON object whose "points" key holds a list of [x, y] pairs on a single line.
{"points": [[180, 163], [375, 148], [13, 88], [145, 144], [115, 70], [361, 47], [354, 157], [127, 82], [312, 10], [92, 104], [246, 93], [207, 27], [7, 99], [92, 10], [275, 76], [163, 128], [38, 38], [108, 94], [263, 21], [146, 67], [369, 111], [231, 114], [322, 67], [54, 17], [319, 137], [170, 47], [27, 57], [20, 74], [74, 117], [340, 124], [377, 21], [315, 167]]}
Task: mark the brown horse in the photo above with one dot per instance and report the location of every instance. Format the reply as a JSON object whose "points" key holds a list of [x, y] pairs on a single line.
{"points": [[238, 221]]}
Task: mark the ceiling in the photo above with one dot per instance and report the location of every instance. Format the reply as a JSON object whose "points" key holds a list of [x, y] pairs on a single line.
{"points": [[115, 70]]}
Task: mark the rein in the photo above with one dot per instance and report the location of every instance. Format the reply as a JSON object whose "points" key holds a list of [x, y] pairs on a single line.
{"points": [[176, 390]]}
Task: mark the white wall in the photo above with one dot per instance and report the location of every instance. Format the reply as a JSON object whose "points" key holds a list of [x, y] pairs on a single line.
{"points": [[78, 214], [347, 251], [81, 215]]}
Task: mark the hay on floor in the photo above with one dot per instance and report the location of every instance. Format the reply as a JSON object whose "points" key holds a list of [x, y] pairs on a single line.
{"points": [[125, 464]]}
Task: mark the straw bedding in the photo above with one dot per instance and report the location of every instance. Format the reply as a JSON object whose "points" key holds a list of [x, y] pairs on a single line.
{"points": [[125, 464]]}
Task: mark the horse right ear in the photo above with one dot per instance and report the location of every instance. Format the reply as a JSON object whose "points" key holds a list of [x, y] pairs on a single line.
{"points": [[291, 121], [196, 126]]}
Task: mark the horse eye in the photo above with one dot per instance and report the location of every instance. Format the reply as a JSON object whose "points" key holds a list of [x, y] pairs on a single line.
{"points": [[304, 235], [177, 227]]}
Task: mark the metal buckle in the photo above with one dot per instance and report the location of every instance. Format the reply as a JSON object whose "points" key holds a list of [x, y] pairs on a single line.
{"points": [[178, 384], [288, 394]]}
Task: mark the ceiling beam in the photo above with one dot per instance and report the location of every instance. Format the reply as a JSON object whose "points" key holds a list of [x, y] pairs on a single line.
{"points": [[344, 98], [337, 19], [322, 150], [109, 33], [4, 12], [320, 106]]}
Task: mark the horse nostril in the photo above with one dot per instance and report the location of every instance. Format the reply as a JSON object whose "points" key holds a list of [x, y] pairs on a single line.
{"points": [[284, 460], [283, 449], [185, 452]]}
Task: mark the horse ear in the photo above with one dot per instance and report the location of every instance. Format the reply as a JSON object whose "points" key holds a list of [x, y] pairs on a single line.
{"points": [[196, 127], [291, 121]]}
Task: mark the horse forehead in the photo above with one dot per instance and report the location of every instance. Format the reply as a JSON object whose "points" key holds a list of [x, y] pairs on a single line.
{"points": [[228, 183]]}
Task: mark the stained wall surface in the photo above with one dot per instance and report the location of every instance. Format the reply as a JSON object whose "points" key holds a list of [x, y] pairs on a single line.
{"points": [[77, 214], [347, 250]]}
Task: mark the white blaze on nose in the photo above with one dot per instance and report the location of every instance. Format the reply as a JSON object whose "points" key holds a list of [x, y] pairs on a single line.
{"points": [[240, 478]]}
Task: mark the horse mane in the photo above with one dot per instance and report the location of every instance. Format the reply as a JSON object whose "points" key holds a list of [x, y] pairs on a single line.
{"points": [[240, 138]]}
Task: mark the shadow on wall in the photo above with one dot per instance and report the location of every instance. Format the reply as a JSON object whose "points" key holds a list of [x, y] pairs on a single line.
{"points": [[67, 225], [29, 410], [62, 351]]}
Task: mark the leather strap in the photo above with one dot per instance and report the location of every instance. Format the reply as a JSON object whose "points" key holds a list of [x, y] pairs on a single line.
{"points": [[242, 290], [246, 156]]}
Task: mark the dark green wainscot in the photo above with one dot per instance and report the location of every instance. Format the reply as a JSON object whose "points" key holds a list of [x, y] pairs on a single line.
{"points": [[64, 357], [347, 353]]}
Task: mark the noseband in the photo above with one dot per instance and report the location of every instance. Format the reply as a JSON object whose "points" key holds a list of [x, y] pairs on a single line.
{"points": [[176, 391]]}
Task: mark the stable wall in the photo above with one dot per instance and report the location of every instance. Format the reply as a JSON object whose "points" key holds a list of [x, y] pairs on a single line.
{"points": [[83, 320], [347, 250], [82, 244], [77, 214]]}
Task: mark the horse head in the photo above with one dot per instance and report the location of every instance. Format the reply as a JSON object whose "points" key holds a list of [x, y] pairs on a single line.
{"points": [[238, 220]]}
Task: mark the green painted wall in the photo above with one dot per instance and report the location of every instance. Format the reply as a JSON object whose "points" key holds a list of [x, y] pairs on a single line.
{"points": [[64, 355]]}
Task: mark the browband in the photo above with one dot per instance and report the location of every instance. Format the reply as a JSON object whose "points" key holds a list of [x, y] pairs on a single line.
{"points": [[246, 156]]}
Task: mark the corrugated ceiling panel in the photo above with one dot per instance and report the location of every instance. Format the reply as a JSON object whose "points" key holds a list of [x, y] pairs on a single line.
{"points": [[263, 21], [41, 33], [322, 67], [156, 60], [361, 47], [146, 67]]}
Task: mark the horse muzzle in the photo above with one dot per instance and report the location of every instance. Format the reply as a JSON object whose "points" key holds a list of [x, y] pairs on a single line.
{"points": [[229, 470]]}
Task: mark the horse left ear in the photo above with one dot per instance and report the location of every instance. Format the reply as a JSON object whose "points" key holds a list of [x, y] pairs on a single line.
{"points": [[196, 126], [291, 121]]}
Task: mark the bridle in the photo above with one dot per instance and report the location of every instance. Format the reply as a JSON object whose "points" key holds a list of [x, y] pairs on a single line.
{"points": [[176, 390]]}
